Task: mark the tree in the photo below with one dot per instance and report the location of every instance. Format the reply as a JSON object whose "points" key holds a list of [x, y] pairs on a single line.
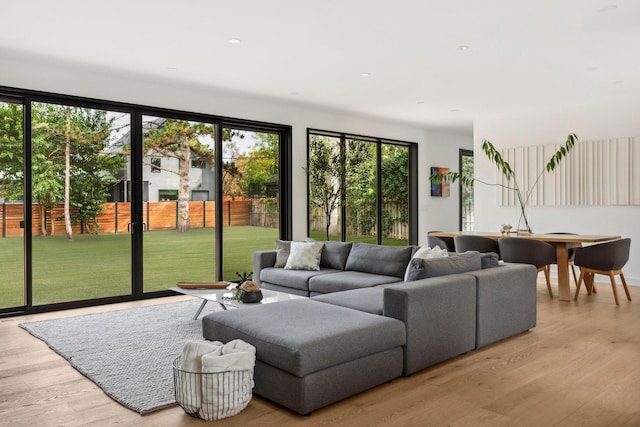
{"points": [[179, 139], [260, 167], [11, 171], [332, 168], [71, 142]]}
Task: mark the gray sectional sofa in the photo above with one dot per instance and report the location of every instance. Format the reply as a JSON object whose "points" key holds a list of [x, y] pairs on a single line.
{"points": [[363, 325]]}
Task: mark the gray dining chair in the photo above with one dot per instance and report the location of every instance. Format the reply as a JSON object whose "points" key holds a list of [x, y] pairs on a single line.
{"points": [[528, 251], [604, 258], [465, 243], [445, 243]]}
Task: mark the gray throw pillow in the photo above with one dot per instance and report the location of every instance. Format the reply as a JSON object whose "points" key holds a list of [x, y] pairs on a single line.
{"points": [[489, 259], [420, 268], [384, 260], [283, 249], [334, 255]]}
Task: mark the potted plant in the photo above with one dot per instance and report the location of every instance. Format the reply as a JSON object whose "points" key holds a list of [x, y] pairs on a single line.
{"points": [[508, 172]]}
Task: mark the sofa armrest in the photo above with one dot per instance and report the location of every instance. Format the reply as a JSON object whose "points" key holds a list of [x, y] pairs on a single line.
{"points": [[506, 301], [262, 259], [439, 314]]}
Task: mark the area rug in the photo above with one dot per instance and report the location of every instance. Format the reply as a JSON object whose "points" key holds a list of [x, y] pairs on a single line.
{"points": [[127, 353]]}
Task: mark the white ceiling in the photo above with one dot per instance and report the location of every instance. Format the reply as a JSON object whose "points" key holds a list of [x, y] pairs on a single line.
{"points": [[522, 54]]}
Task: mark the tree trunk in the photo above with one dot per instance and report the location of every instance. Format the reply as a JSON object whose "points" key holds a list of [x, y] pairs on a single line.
{"points": [[183, 194], [328, 224], [67, 177], [43, 219]]}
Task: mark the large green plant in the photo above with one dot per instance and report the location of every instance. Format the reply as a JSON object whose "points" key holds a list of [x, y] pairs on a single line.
{"points": [[509, 173]]}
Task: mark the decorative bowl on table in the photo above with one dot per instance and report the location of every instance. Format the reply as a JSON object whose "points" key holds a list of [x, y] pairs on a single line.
{"points": [[249, 292]]}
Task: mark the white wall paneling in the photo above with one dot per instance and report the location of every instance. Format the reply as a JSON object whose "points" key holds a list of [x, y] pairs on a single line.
{"points": [[598, 172]]}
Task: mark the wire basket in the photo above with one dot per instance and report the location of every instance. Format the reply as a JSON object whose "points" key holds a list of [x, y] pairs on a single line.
{"points": [[212, 395]]}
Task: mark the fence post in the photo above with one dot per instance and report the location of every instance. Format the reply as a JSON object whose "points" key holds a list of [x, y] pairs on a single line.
{"points": [[4, 219], [115, 228], [204, 214]]}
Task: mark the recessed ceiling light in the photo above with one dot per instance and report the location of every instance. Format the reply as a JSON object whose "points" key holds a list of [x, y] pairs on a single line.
{"points": [[609, 8], [454, 110], [234, 41], [618, 82], [365, 74], [463, 47], [171, 69], [591, 68], [294, 93], [419, 102]]}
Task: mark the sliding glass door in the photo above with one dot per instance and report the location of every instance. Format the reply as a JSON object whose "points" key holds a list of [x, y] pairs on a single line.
{"points": [[12, 289], [178, 174], [250, 197]]}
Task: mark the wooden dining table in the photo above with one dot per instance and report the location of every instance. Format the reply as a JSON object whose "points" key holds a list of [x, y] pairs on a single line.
{"points": [[559, 241]]}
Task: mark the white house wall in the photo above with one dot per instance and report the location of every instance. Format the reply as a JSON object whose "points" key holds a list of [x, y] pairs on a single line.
{"points": [[598, 121]]}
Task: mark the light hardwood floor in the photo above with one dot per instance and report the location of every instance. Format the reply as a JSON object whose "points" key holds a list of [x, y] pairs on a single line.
{"points": [[578, 367]]}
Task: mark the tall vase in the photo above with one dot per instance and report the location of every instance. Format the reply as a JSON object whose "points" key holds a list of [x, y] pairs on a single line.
{"points": [[523, 228]]}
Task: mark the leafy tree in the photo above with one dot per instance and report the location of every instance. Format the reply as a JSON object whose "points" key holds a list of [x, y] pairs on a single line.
{"points": [[179, 139], [395, 184], [11, 171], [334, 167], [71, 142], [260, 167], [361, 188]]}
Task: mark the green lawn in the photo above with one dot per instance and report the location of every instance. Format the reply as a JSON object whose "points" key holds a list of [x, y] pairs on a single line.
{"points": [[94, 266]]}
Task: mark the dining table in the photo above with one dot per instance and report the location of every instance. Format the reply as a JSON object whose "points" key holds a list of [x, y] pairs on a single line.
{"points": [[559, 241]]}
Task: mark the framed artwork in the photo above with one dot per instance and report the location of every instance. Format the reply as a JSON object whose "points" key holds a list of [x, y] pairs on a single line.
{"points": [[440, 189]]}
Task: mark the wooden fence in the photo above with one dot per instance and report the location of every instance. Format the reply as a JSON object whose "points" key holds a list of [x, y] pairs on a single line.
{"points": [[116, 216], [399, 229]]}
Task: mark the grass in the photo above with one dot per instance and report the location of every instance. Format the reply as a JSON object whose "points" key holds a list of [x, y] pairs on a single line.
{"points": [[95, 266]]}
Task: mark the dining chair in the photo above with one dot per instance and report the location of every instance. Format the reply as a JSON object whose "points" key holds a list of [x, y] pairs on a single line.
{"points": [[604, 258], [442, 242], [528, 251], [571, 251], [465, 243]]}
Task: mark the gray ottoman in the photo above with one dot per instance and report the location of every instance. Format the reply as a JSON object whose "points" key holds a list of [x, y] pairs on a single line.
{"points": [[311, 354]]}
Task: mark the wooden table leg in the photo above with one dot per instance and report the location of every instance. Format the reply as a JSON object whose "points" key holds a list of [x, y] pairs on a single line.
{"points": [[562, 258]]}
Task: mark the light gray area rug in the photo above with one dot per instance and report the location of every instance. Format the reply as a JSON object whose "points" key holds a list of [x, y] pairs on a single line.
{"points": [[127, 353]]}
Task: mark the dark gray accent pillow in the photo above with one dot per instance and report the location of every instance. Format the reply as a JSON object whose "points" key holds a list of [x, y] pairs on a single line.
{"points": [[489, 259], [385, 260], [283, 249], [420, 268], [334, 255]]}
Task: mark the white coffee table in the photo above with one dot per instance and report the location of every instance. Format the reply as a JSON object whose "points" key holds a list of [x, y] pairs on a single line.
{"points": [[225, 297]]}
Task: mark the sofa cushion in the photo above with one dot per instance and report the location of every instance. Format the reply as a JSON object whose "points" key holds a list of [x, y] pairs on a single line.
{"points": [[420, 268], [304, 336], [334, 255], [297, 279], [304, 256], [346, 280], [384, 260], [369, 300], [283, 248]]}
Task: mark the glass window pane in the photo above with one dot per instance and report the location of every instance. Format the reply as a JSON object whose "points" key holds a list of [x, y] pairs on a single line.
{"points": [[12, 209], [79, 252], [179, 208], [251, 198], [324, 172], [395, 195]]}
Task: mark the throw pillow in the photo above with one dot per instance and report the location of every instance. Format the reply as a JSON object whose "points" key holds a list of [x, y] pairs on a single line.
{"points": [[425, 252], [334, 255], [304, 256], [424, 268], [489, 259], [283, 248]]}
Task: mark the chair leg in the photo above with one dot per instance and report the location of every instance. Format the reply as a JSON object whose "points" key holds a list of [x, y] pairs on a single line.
{"points": [[546, 276], [573, 270], [613, 286], [575, 298], [624, 284]]}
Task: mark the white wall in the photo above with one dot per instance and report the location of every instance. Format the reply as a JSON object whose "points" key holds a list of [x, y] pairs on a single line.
{"points": [[615, 118], [436, 149], [439, 213]]}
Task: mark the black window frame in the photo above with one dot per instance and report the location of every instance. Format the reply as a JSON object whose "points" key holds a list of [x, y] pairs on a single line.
{"points": [[413, 181], [136, 111]]}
